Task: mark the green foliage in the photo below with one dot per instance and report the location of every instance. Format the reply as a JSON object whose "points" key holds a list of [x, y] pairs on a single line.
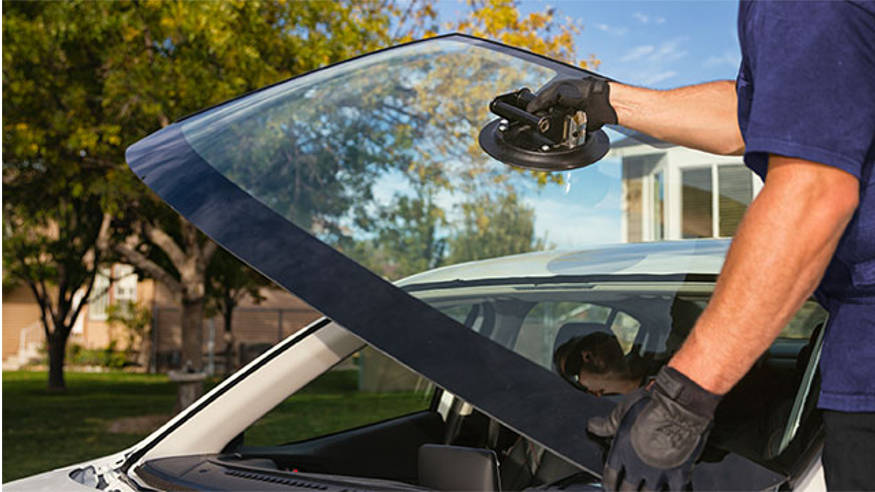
{"points": [[134, 317], [229, 281], [413, 235], [408, 235], [170, 58], [109, 357], [493, 227], [58, 145], [83, 80]]}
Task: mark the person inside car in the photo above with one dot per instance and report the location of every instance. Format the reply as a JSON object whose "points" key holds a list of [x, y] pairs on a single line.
{"points": [[595, 363]]}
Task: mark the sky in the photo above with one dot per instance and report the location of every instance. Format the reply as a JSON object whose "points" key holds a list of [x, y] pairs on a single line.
{"points": [[656, 44]]}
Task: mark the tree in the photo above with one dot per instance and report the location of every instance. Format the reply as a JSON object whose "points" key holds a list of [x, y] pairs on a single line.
{"points": [[228, 283], [168, 59], [136, 319], [408, 237], [53, 249], [412, 233], [85, 79], [493, 227], [58, 146]]}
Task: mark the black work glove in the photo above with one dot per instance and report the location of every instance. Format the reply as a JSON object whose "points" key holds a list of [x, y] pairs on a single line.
{"points": [[589, 94], [658, 434]]}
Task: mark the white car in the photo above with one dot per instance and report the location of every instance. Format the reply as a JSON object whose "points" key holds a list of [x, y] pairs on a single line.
{"points": [[306, 182]]}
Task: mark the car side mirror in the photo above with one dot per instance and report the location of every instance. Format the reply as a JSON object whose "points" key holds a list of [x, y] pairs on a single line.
{"points": [[443, 467]]}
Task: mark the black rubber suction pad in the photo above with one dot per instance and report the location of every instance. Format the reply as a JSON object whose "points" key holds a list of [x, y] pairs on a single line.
{"points": [[517, 146]]}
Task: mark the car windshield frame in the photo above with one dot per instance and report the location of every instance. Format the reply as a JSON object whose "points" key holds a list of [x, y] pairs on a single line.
{"points": [[332, 283]]}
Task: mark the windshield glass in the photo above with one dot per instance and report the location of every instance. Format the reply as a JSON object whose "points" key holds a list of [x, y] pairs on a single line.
{"points": [[379, 158]]}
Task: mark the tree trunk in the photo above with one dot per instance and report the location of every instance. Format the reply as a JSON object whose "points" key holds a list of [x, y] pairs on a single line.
{"points": [[230, 360], [57, 344], [192, 350], [192, 333], [144, 355]]}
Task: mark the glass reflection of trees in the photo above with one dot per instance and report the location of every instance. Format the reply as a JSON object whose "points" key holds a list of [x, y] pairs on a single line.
{"points": [[323, 148]]}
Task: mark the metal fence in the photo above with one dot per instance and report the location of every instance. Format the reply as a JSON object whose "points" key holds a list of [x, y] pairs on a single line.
{"points": [[253, 330]]}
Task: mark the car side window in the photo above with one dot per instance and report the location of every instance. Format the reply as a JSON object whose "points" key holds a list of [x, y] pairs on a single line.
{"points": [[542, 324], [625, 328], [365, 388]]}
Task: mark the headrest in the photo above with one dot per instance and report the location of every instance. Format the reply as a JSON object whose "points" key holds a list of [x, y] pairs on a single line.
{"points": [[571, 330]]}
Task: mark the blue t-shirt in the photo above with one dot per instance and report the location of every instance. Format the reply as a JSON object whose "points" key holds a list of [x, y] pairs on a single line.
{"points": [[806, 89]]}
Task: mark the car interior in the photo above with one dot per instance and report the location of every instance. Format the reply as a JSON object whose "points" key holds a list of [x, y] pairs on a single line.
{"points": [[768, 418]]}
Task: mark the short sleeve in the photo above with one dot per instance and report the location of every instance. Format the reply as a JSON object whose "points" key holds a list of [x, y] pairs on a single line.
{"points": [[812, 78]]}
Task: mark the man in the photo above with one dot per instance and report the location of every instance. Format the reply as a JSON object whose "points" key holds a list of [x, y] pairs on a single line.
{"points": [[802, 112]]}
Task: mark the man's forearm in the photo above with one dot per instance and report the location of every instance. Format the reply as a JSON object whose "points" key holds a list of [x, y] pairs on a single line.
{"points": [[701, 116], [776, 260]]}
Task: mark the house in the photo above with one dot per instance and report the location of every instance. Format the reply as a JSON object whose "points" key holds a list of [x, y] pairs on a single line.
{"points": [[672, 192], [254, 327]]}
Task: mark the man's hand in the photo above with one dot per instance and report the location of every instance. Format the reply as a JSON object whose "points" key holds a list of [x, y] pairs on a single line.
{"points": [[658, 434], [589, 94]]}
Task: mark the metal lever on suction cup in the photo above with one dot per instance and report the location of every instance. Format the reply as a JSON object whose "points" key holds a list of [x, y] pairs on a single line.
{"points": [[512, 107], [556, 128]]}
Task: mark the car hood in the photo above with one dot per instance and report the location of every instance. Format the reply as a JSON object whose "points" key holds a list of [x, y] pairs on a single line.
{"points": [[336, 182]]}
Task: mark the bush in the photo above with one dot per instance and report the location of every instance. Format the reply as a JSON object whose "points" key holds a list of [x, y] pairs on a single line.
{"points": [[107, 357]]}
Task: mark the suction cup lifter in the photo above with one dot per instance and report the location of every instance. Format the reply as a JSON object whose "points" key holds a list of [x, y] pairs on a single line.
{"points": [[557, 128], [551, 140]]}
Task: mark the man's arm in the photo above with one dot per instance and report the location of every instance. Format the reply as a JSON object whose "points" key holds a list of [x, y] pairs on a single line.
{"points": [[776, 260], [700, 116]]}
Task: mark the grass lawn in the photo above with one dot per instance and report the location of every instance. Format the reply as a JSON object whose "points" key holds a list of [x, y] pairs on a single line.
{"points": [[44, 430]]}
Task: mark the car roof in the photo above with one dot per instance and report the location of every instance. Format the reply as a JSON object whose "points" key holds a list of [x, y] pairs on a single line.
{"points": [[698, 256]]}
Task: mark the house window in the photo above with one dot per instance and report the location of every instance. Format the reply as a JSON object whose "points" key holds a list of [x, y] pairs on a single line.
{"points": [[696, 207], [98, 301], [124, 288], [736, 192], [78, 325]]}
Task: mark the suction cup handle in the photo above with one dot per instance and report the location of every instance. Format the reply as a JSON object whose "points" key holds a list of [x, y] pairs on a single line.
{"points": [[524, 96], [513, 113]]}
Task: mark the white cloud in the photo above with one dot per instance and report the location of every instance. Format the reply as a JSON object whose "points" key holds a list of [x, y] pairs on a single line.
{"points": [[657, 77], [651, 64], [728, 58], [615, 30], [638, 52], [669, 51], [646, 19]]}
